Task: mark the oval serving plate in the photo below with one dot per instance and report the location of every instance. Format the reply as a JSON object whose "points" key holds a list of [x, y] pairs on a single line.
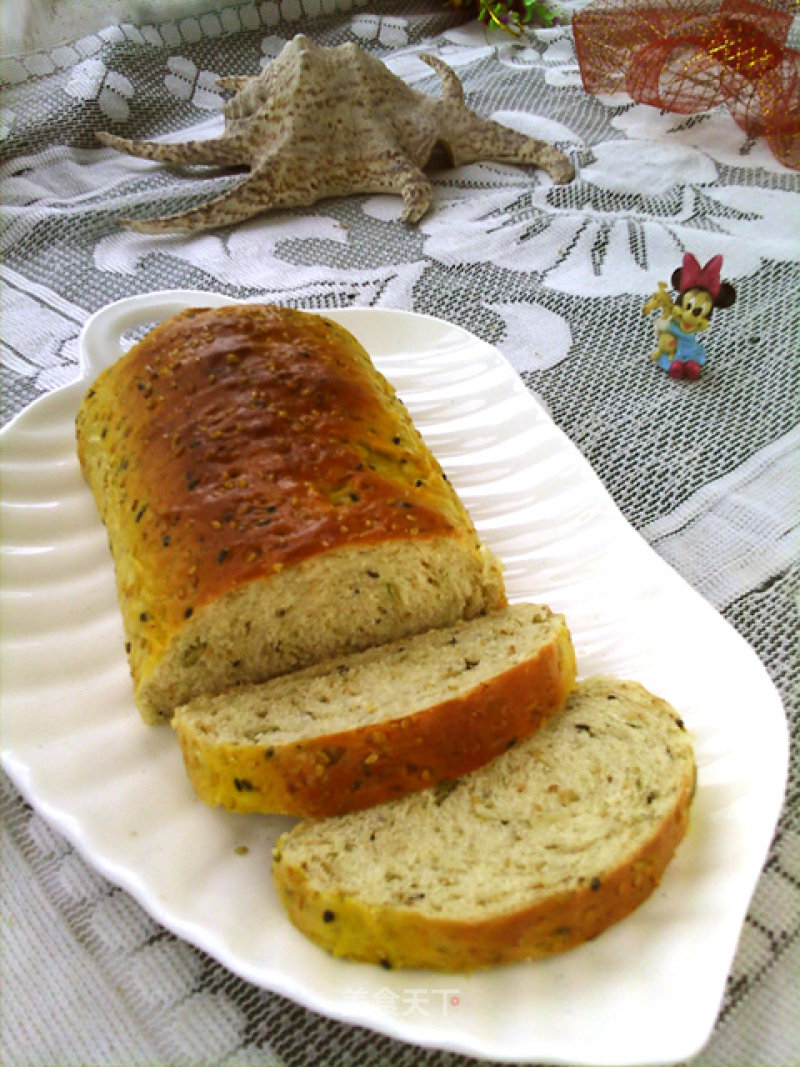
{"points": [[648, 990]]}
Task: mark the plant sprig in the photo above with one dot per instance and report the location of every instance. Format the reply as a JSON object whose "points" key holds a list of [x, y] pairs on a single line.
{"points": [[514, 16]]}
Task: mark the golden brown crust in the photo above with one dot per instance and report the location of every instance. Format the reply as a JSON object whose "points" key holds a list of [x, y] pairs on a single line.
{"points": [[233, 442], [402, 937], [359, 768]]}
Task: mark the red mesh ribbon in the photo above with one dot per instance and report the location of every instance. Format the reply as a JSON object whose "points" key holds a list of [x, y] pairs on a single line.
{"points": [[689, 57]]}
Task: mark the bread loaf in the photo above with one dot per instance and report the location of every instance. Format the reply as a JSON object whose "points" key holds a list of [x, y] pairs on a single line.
{"points": [[538, 851], [364, 728], [268, 503]]}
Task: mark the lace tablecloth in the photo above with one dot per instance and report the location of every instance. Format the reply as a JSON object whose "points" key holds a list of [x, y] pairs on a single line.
{"points": [[556, 277]]}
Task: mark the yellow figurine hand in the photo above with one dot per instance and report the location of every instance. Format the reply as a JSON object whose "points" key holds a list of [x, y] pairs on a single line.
{"points": [[659, 301]]}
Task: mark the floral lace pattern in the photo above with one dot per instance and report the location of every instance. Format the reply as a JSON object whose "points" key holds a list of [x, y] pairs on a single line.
{"points": [[554, 276]]}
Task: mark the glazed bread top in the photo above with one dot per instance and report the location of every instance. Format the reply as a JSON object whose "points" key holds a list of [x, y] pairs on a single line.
{"points": [[231, 443]]}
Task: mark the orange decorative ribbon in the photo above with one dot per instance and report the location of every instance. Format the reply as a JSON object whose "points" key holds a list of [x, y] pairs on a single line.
{"points": [[689, 57]]}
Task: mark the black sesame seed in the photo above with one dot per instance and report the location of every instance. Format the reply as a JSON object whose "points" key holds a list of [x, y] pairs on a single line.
{"points": [[386, 964], [222, 555], [188, 613], [165, 540], [594, 884], [328, 916]]}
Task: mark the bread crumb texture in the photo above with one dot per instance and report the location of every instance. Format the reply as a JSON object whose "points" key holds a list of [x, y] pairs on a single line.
{"points": [[536, 852]]}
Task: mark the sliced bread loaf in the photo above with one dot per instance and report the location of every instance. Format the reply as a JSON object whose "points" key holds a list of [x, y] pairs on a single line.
{"points": [[362, 729], [542, 849]]}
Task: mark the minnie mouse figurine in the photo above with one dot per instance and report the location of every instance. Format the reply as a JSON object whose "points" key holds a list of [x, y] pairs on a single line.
{"points": [[700, 291]]}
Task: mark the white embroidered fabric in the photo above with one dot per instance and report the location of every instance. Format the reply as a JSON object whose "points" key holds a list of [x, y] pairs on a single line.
{"points": [[555, 277]]}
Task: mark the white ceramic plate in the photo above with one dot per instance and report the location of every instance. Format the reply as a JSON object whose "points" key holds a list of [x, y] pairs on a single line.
{"points": [[648, 990]]}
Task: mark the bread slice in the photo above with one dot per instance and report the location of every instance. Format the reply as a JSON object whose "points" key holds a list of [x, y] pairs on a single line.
{"points": [[541, 850], [269, 504], [363, 729]]}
